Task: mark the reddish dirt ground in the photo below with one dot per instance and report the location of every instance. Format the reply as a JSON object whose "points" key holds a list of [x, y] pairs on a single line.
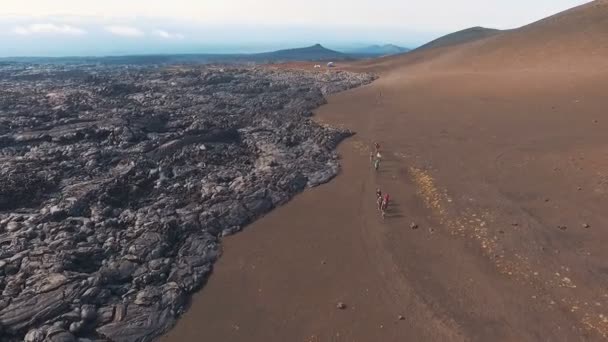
{"points": [[504, 171]]}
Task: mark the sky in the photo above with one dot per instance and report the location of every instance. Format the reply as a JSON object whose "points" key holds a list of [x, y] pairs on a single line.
{"points": [[114, 27]]}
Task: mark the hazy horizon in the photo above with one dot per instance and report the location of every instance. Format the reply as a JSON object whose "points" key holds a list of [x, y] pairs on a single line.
{"points": [[112, 27]]}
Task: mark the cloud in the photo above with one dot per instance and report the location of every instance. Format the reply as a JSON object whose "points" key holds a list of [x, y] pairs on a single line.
{"points": [[125, 31], [49, 29], [167, 35]]}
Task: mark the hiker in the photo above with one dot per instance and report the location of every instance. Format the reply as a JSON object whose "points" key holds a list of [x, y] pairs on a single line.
{"points": [[378, 193], [384, 205], [385, 201], [371, 157], [379, 203], [377, 164], [377, 146]]}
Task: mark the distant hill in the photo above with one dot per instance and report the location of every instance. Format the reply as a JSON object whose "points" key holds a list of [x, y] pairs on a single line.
{"points": [[460, 37], [573, 40], [378, 50], [312, 53]]}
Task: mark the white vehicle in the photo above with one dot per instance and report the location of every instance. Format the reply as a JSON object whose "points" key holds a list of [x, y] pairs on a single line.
{"points": [[330, 64]]}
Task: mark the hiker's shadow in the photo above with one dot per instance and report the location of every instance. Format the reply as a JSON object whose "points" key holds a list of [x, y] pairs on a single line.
{"points": [[393, 210]]}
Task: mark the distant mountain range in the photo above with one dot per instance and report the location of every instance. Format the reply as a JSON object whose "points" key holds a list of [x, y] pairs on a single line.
{"points": [[315, 52], [312, 53], [378, 50]]}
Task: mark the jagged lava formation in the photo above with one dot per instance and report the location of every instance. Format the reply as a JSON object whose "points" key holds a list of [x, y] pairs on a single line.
{"points": [[116, 184]]}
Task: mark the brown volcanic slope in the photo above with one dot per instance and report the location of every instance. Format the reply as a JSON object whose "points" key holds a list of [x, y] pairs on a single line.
{"points": [[576, 39], [497, 150], [460, 37]]}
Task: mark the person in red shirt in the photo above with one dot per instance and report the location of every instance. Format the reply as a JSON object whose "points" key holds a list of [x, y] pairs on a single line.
{"points": [[385, 204]]}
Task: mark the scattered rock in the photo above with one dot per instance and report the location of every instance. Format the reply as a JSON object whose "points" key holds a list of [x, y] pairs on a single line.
{"points": [[88, 312], [585, 225], [34, 335], [562, 227], [13, 227], [414, 225], [148, 296], [75, 327], [58, 334], [341, 306], [62, 337], [401, 318]]}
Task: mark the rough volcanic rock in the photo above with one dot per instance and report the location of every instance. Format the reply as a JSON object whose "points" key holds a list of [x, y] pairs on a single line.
{"points": [[117, 183]]}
